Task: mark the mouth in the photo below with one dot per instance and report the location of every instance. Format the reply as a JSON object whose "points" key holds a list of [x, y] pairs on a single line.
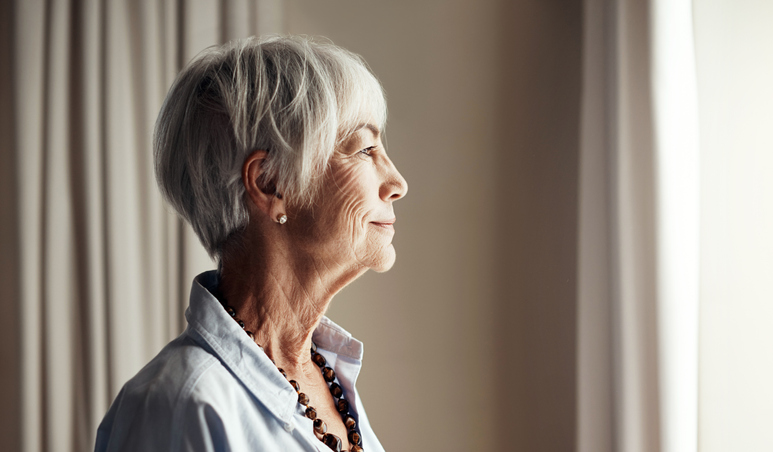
{"points": [[385, 224]]}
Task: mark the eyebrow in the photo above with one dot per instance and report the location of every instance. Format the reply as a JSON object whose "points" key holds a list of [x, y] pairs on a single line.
{"points": [[370, 127]]}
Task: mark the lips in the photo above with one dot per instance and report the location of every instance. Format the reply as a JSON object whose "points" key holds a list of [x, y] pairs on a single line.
{"points": [[387, 224]]}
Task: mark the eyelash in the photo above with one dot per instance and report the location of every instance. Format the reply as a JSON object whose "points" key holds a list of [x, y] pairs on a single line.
{"points": [[367, 151]]}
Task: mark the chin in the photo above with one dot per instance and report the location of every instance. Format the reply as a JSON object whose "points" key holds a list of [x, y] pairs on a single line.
{"points": [[385, 261]]}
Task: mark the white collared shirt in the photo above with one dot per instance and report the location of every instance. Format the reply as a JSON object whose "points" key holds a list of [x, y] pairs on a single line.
{"points": [[213, 389]]}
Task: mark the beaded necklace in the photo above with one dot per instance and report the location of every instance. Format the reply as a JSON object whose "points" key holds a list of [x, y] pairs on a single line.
{"points": [[342, 405]]}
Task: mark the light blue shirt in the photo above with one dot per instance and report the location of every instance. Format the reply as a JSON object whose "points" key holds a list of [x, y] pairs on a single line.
{"points": [[213, 389]]}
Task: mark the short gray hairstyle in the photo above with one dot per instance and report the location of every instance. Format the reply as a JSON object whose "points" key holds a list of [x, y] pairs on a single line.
{"points": [[295, 97]]}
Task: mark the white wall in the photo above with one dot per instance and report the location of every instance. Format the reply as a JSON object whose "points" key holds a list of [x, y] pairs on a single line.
{"points": [[734, 41]]}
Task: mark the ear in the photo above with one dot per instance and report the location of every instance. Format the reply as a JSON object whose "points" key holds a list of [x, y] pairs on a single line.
{"points": [[265, 199]]}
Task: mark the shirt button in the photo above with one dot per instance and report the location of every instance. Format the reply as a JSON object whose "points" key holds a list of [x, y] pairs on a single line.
{"points": [[289, 427]]}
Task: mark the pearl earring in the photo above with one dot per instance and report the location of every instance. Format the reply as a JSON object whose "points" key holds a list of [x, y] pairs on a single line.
{"points": [[282, 219]]}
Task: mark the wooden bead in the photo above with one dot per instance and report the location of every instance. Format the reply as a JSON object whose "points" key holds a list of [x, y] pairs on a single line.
{"points": [[295, 385], [319, 426], [336, 390], [354, 437], [343, 406], [319, 360], [303, 399], [282, 371], [332, 441], [311, 413], [241, 324], [329, 374], [349, 422], [356, 449], [251, 336]]}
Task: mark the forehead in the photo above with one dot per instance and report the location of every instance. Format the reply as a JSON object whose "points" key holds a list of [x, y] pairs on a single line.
{"points": [[360, 105]]}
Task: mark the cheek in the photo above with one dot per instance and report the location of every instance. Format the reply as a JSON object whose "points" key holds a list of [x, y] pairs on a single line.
{"points": [[342, 214], [351, 196], [359, 195], [344, 204]]}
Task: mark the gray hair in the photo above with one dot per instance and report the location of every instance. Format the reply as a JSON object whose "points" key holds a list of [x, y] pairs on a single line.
{"points": [[292, 96]]}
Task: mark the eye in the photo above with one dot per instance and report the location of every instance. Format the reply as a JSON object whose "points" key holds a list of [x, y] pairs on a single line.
{"points": [[368, 151]]}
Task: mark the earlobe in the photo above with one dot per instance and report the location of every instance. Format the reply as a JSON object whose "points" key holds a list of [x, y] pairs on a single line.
{"points": [[264, 198]]}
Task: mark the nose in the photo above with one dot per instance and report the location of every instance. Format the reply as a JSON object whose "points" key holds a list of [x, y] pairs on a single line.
{"points": [[394, 186]]}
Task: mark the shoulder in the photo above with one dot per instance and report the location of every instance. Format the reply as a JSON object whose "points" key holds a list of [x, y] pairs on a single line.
{"points": [[151, 409]]}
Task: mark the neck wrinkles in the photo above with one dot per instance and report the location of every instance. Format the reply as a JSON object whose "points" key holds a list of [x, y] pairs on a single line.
{"points": [[281, 300]]}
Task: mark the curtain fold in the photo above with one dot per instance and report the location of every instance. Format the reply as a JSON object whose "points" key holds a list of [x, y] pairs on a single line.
{"points": [[104, 267], [10, 330], [638, 236]]}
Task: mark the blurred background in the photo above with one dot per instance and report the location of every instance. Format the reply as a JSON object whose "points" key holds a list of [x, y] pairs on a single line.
{"points": [[584, 257]]}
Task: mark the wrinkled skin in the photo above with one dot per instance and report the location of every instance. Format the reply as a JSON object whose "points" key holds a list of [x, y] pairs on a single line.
{"points": [[350, 224]]}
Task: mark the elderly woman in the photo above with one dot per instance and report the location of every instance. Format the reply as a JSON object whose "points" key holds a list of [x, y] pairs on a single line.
{"points": [[271, 150]]}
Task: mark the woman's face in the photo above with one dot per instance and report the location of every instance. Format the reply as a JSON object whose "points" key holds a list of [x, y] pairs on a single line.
{"points": [[352, 222]]}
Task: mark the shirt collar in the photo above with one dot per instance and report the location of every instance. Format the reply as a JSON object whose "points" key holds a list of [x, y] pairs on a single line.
{"points": [[211, 326]]}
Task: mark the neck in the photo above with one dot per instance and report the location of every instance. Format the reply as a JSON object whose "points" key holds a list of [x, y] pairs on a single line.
{"points": [[281, 298]]}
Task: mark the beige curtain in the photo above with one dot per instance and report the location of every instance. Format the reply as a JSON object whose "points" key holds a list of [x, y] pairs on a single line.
{"points": [[639, 229], [97, 268]]}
